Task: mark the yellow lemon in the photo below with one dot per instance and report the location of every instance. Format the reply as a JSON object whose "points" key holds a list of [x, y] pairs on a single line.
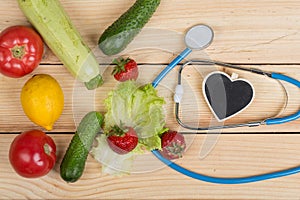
{"points": [[42, 100]]}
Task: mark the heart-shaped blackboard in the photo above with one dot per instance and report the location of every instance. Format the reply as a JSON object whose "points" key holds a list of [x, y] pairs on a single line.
{"points": [[226, 97]]}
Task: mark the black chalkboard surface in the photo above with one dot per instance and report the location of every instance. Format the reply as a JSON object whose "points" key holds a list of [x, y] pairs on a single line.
{"points": [[226, 97]]}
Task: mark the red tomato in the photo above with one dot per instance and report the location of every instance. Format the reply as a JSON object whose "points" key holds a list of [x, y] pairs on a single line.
{"points": [[21, 51], [32, 154]]}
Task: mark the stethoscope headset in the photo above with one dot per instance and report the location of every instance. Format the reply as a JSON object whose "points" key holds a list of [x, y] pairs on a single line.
{"points": [[199, 37]]}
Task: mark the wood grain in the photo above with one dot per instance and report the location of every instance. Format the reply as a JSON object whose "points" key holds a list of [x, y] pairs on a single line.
{"points": [[269, 98], [233, 155], [258, 34], [265, 31]]}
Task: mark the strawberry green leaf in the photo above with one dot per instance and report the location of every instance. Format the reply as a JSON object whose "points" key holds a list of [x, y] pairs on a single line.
{"points": [[120, 65]]}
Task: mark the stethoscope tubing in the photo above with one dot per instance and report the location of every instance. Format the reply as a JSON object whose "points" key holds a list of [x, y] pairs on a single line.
{"points": [[241, 180], [287, 118], [171, 66], [286, 79], [219, 180], [273, 75]]}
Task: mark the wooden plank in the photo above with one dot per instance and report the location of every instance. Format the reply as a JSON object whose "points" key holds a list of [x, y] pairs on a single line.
{"points": [[233, 156], [269, 98], [257, 31]]}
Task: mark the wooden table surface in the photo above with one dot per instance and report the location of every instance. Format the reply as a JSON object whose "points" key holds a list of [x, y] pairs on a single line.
{"points": [[262, 34]]}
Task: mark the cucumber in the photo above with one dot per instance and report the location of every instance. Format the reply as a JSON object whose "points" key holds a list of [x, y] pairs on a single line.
{"points": [[117, 36], [73, 163], [58, 32]]}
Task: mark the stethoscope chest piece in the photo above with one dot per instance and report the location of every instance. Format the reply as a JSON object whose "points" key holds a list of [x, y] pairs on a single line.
{"points": [[199, 37]]}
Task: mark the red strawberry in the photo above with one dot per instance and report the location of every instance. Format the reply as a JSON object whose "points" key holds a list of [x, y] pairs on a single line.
{"points": [[173, 145], [122, 142], [126, 69]]}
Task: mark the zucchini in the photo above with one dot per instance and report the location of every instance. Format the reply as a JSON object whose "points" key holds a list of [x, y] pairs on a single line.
{"points": [[73, 163], [58, 32], [118, 35]]}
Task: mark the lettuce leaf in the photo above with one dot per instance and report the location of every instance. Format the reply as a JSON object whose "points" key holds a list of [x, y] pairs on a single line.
{"points": [[133, 106], [139, 107], [112, 163]]}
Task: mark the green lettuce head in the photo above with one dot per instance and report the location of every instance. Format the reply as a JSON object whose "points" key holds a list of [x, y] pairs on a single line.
{"points": [[139, 107]]}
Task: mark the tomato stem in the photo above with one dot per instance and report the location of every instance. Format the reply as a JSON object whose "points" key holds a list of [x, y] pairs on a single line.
{"points": [[18, 51]]}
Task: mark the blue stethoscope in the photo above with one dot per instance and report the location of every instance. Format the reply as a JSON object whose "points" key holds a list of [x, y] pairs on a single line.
{"points": [[199, 37]]}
